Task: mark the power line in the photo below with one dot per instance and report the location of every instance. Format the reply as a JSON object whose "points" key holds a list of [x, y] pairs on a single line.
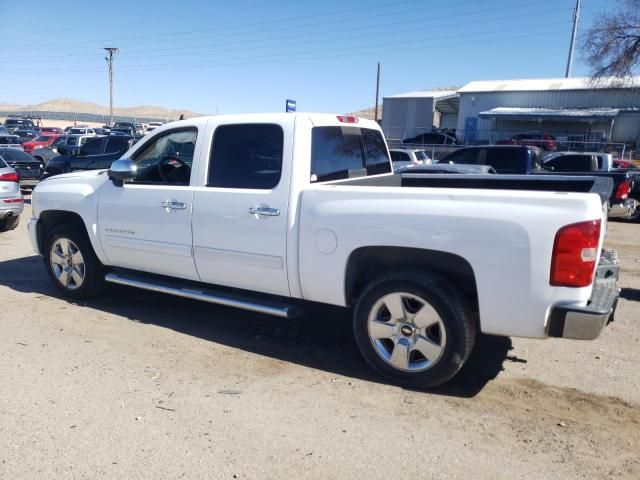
{"points": [[243, 62], [293, 19], [128, 54]]}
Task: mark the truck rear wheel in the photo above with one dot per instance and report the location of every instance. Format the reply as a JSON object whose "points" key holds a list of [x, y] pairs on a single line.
{"points": [[413, 328], [72, 264]]}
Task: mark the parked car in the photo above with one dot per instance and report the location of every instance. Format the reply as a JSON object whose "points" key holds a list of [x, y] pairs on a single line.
{"points": [[288, 208], [11, 200], [51, 131], [81, 131], [44, 154], [504, 159], [25, 135], [546, 141], [405, 157], [151, 126], [578, 162], [10, 141], [430, 138], [623, 164], [3, 130], [40, 142], [29, 169], [97, 153], [18, 123]]}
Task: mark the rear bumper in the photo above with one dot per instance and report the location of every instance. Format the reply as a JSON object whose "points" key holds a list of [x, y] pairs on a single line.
{"points": [[586, 323], [624, 209], [13, 210]]}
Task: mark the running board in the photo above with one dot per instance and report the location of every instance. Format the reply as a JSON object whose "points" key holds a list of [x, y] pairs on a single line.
{"points": [[219, 298]]}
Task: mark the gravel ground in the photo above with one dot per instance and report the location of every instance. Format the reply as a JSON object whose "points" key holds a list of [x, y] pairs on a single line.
{"points": [[140, 385]]}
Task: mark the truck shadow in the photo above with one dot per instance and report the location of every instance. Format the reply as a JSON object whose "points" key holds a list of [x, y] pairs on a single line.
{"points": [[632, 294], [321, 338]]}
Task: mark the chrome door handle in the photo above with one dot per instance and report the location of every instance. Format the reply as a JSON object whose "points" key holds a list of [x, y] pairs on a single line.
{"points": [[173, 205], [264, 212]]}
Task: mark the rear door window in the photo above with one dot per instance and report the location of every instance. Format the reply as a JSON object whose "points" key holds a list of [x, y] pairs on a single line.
{"points": [[92, 147], [347, 152], [116, 145]]}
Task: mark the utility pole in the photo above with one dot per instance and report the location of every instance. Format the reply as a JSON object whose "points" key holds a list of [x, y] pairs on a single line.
{"points": [[110, 51], [375, 115], [576, 16]]}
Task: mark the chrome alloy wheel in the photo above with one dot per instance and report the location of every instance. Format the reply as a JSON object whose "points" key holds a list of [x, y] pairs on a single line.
{"points": [[407, 332], [67, 263]]}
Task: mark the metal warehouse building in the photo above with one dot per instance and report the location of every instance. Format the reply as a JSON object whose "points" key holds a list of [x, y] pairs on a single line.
{"points": [[569, 108], [572, 109], [409, 114]]}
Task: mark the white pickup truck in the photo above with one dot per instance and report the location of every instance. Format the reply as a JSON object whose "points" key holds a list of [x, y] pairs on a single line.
{"points": [[265, 212]]}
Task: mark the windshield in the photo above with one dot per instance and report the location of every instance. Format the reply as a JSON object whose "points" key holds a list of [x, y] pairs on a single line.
{"points": [[42, 138]]}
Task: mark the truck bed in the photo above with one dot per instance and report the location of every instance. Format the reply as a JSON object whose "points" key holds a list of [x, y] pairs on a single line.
{"points": [[557, 183]]}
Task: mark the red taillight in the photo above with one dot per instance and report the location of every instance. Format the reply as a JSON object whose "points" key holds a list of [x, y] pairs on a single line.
{"points": [[622, 192], [14, 200], [575, 251], [9, 177], [347, 119]]}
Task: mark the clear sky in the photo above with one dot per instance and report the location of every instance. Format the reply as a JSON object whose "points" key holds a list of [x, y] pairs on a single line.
{"points": [[249, 56]]}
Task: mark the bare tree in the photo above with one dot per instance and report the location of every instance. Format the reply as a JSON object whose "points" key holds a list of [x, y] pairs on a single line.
{"points": [[612, 45]]}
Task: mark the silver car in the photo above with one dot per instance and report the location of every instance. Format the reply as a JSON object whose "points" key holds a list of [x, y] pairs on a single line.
{"points": [[408, 157], [11, 199]]}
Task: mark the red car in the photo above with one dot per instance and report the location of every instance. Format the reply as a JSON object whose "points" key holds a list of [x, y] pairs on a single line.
{"points": [[546, 141], [51, 131], [624, 164], [39, 142]]}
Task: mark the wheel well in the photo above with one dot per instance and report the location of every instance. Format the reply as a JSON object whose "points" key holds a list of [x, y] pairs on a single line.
{"points": [[50, 219], [367, 263]]}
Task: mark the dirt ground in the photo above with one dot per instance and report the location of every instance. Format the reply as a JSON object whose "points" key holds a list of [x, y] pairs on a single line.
{"points": [[140, 385]]}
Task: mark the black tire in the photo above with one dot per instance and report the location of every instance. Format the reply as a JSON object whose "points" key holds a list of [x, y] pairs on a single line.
{"points": [[454, 317], [93, 270], [7, 224]]}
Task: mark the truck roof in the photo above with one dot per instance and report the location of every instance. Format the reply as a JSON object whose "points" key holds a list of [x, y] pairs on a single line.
{"points": [[317, 119]]}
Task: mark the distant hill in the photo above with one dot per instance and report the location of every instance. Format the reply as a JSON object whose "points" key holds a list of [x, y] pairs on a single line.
{"points": [[72, 105]]}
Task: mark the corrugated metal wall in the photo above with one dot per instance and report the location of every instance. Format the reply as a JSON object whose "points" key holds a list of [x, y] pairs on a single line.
{"points": [[406, 117], [471, 104]]}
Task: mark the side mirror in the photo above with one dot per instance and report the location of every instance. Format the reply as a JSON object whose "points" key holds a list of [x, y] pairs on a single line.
{"points": [[122, 170], [62, 150]]}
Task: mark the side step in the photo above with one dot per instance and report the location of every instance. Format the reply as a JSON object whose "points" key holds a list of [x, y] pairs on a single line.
{"points": [[205, 295]]}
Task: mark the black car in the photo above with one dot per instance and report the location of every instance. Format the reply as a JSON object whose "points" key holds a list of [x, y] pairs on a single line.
{"points": [[431, 138], [17, 123], [96, 154], [504, 159], [25, 135], [29, 169]]}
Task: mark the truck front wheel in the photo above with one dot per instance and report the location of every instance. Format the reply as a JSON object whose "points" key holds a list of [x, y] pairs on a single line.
{"points": [[413, 328], [72, 264]]}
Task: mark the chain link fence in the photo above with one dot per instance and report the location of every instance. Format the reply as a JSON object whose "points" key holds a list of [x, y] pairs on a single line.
{"points": [[437, 143], [81, 117]]}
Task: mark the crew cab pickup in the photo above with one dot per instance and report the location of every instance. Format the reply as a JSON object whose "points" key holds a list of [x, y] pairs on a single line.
{"points": [[268, 212]]}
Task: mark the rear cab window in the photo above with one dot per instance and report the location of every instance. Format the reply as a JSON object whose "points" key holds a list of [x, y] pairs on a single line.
{"points": [[341, 152]]}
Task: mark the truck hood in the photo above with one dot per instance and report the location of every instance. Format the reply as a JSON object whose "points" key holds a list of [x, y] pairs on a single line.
{"points": [[88, 174]]}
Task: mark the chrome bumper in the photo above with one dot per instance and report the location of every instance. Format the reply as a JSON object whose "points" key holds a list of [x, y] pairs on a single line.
{"points": [[586, 323], [624, 209]]}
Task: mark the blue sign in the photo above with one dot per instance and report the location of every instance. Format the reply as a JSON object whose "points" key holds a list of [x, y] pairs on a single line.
{"points": [[291, 106]]}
